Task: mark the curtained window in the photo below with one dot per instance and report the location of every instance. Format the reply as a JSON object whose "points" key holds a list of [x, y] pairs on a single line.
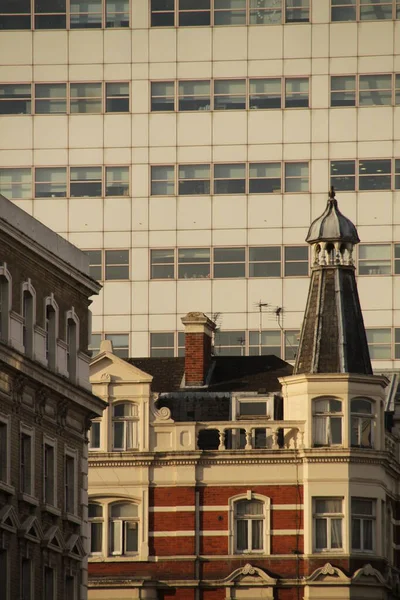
{"points": [[125, 426], [328, 524], [363, 514], [123, 528], [249, 518], [327, 422], [361, 423]]}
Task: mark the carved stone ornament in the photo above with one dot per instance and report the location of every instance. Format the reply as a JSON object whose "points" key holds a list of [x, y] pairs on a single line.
{"points": [[248, 570], [16, 389], [62, 412], [106, 377], [40, 404], [328, 570]]}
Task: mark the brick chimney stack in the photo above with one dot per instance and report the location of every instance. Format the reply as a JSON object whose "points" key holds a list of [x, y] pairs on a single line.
{"points": [[198, 340]]}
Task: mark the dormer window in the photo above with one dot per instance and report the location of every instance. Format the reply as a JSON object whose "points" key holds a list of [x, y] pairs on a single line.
{"points": [[327, 422], [125, 426], [361, 423]]}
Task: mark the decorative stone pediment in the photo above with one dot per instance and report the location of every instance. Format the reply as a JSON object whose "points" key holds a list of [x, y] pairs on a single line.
{"points": [[328, 574], [31, 529], [249, 576], [107, 368], [74, 547], [368, 575], [53, 539], [9, 518]]}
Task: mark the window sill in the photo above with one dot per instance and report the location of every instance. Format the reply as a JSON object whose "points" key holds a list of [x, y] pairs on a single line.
{"points": [[28, 499], [53, 510], [72, 518], [119, 558], [7, 488]]}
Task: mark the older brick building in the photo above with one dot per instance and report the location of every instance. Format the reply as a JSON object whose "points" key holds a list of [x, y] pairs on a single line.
{"points": [[45, 410], [233, 477]]}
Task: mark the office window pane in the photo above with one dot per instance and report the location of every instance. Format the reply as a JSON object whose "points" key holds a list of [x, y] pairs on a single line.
{"points": [[230, 343], [162, 264], [50, 98], [343, 174], [120, 342], [374, 259], [194, 263], [162, 344], [94, 344], [15, 99], [265, 12], [374, 174], [296, 177], [229, 262], [85, 98], [229, 94], [85, 14], [343, 10], [194, 179], [265, 93], [117, 97], [265, 342], [343, 90], [397, 259], [95, 264], [193, 13], [162, 13], [15, 14], [379, 343], [50, 14], [297, 11], [162, 181], [117, 181], [117, 264], [265, 178], [51, 182], [117, 13], [85, 182], [229, 12], [230, 179], [163, 96], [373, 10], [296, 92], [16, 183], [296, 261], [375, 90], [194, 95], [265, 261]]}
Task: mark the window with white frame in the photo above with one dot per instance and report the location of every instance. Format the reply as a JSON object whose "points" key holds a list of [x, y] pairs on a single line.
{"points": [[327, 422], [49, 583], [229, 12], [124, 528], [70, 476], [363, 522], [328, 524], [96, 521], [49, 472], [26, 579], [379, 343], [16, 183], [26, 461], [249, 526], [374, 259], [362, 421], [4, 450], [95, 435], [15, 14], [125, 426]]}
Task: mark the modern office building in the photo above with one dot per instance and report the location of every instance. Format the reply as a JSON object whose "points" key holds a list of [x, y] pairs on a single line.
{"points": [[187, 145]]}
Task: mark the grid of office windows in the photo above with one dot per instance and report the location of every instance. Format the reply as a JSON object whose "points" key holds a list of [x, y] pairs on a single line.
{"points": [[63, 182], [63, 14], [382, 89], [108, 265], [120, 342], [364, 10], [281, 343], [365, 175], [194, 13], [228, 262], [231, 178], [230, 94], [63, 98]]}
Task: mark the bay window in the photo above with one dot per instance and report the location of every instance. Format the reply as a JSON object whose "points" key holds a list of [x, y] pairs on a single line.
{"points": [[362, 420], [327, 422], [363, 515], [328, 524]]}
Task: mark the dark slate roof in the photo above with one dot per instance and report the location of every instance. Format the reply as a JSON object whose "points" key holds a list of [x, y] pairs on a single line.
{"points": [[333, 338], [227, 373]]}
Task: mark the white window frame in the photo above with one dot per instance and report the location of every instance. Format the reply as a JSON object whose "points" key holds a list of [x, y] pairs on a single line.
{"points": [[123, 521], [51, 443], [360, 416], [362, 518], [95, 521], [327, 416], [70, 454], [28, 431], [126, 419], [328, 517], [249, 495]]}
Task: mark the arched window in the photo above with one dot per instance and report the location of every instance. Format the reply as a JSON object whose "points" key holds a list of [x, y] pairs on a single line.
{"points": [[249, 526], [327, 422], [125, 426], [51, 332], [124, 524], [4, 306], [28, 316], [95, 514], [72, 344], [362, 423]]}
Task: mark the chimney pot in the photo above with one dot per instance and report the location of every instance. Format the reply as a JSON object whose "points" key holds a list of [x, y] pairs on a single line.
{"points": [[198, 339]]}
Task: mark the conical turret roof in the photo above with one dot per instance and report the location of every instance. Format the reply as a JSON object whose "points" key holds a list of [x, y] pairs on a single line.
{"points": [[332, 226]]}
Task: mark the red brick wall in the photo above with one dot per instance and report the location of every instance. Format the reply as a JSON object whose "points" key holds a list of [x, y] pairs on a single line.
{"points": [[197, 357]]}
